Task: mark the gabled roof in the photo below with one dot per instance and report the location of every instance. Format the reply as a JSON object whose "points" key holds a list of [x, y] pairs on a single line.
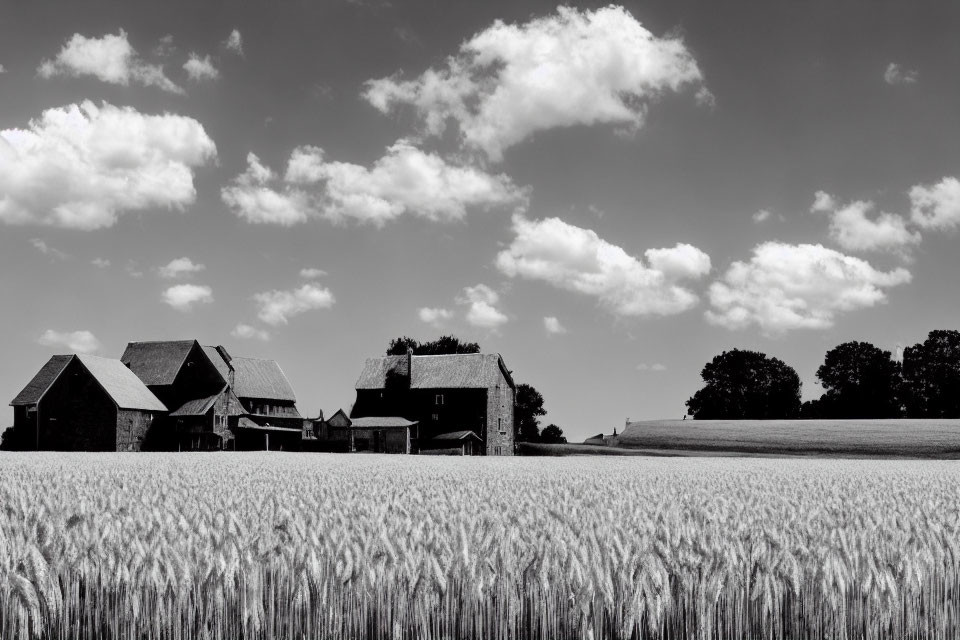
{"points": [[197, 407], [215, 356], [458, 435], [455, 371], [262, 379], [35, 389], [380, 422], [157, 363], [121, 384]]}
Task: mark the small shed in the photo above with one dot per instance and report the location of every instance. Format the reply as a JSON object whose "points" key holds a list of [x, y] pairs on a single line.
{"points": [[388, 434], [461, 443], [251, 436]]}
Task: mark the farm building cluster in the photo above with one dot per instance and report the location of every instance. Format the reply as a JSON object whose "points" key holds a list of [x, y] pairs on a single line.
{"points": [[181, 395]]}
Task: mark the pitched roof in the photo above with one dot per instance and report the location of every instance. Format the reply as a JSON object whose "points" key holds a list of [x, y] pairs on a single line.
{"points": [[35, 389], [197, 407], [247, 423], [381, 422], [457, 435], [217, 359], [455, 371], [121, 384], [157, 363], [263, 379]]}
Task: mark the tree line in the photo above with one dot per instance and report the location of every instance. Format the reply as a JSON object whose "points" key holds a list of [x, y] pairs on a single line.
{"points": [[859, 380]]}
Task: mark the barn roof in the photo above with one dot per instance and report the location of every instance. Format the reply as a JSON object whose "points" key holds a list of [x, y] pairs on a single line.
{"points": [[121, 384], [157, 363], [455, 371], [214, 355], [262, 379], [457, 435], [380, 422], [35, 389], [197, 407]]}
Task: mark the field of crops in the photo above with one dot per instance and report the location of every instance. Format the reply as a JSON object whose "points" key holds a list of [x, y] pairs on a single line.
{"points": [[889, 438], [325, 546]]}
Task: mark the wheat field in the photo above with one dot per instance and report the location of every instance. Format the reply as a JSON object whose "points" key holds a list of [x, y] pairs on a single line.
{"points": [[324, 546]]}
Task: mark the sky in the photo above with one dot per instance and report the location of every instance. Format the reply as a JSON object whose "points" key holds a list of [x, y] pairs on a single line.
{"points": [[607, 195]]}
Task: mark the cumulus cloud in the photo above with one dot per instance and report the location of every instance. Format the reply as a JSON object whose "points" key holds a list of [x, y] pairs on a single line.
{"points": [[895, 74], [246, 332], [656, 367], [82, 166], [234, 42], [762, 215], [481, 302], [936, 206], [853, 230], [277, 307], [553, 326], [577, 259], [200, 69], [76, 341], [180, 267], [569, 68], [111, 59], [100, 263], [3, 69], [434, 316], [183, 297], [311, 273], [405, 180], [785, 287], [40, 245]]}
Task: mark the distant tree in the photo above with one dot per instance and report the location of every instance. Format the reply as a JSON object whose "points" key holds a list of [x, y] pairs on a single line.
{"points": [[811, 409], [526, 415], [746, 385], [552, 434], [931, 376], [444, 345], [860, 381], [11, 440]]}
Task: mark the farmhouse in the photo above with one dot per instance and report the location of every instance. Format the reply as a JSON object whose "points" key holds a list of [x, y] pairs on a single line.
{"points": [[85, 403], [442, 394]]}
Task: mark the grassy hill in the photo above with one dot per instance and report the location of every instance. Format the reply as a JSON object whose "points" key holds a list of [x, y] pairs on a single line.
{"points": [[887, 438]]}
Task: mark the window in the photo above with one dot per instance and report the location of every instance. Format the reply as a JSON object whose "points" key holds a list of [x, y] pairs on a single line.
{"points": [[439, 399], [500, 425], [436, 417]]}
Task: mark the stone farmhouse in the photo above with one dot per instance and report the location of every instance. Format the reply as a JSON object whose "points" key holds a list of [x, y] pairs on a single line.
{"points": [[440, 396]]}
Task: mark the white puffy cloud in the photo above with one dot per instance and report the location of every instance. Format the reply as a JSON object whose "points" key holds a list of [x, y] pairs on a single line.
{"points": [[553, 326], [854, 231], [577, 259], [569, 68], [200, 69], [405, 180], [183, 297], [76, 341], [895, 74], [100, 263], [111, 59], [234, 42], [41, 245], [246, 332], [936, 206], [656, 367], [434, 315], [311, 273], [180, 267], [82, 166], [785, 287], [481, 302], [277, 307], [3, 69]]}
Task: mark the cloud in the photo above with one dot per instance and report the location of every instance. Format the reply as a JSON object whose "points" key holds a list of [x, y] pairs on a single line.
{"points": [[165, 47], [895, 74], [311, 273], [234, 42], [434, 316], [182, 297], [100, 263], [553, 326], [133, 270], [854, 231], [570, 68], [110, 59], [200, 69], [76, 341], [41, 246], [655, 367], [405, 180], [936, 206], [277, 307], [3, 69], [481, 310], [785, 287], [578, 260], [82, 166], [180, 267], [761, 216], [246, 332]]}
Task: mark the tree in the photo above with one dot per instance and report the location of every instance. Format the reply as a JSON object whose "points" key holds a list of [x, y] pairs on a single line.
{"points": [[746, 385], [529, 408], [552, 434], [443, 345], [860, 381], [12, 440], [931, 376]]}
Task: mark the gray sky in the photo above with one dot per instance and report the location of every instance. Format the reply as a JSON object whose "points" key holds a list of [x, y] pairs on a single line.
{"points": [[608, 196]]}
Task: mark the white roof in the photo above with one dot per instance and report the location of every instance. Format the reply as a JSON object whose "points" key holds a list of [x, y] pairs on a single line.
{"points": [[121, 384]]}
